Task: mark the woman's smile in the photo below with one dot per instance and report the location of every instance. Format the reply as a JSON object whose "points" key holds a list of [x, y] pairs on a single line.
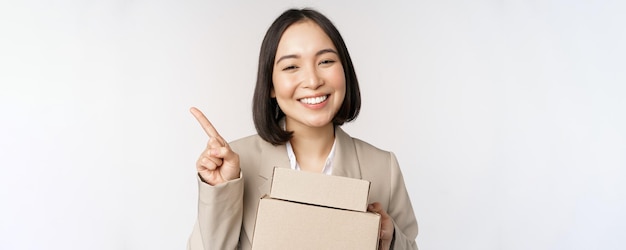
{"points": [[314, 100]]}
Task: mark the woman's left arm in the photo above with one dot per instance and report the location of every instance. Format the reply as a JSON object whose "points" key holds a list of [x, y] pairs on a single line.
{"points": [[400, 211]]}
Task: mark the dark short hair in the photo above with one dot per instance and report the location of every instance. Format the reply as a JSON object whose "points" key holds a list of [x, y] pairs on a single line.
{"points": [[265, 111]]}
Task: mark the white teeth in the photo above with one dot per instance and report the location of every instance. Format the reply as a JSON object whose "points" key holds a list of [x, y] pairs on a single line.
{"points": [[313, 100]]}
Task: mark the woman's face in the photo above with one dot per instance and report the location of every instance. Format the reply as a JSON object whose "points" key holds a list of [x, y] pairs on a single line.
{"points": [[308, 78]]}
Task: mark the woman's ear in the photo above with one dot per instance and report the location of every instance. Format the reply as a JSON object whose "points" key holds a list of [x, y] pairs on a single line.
{"points": [[273, 93]]}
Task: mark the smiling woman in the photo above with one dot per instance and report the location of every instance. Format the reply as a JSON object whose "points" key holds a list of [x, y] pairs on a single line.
{"points": [[306, 89], [309, 83]]}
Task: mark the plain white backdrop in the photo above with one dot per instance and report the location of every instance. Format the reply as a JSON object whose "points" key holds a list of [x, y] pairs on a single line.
{"points": [[507, 117]]}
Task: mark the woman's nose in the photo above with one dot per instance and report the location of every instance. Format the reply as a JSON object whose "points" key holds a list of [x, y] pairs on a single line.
{"points": [[312, 79]]}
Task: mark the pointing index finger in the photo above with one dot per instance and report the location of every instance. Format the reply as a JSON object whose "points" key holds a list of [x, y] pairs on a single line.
{"points": [[204, 122]]}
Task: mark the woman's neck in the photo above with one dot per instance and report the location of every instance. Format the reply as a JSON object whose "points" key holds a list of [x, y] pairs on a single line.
{"points": [[312, 146]]}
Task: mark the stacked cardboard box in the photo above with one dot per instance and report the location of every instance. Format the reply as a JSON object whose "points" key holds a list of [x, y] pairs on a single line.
{"points": [[315, 211]]}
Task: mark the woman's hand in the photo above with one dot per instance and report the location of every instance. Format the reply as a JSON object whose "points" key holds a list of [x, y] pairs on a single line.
{"points": [[217, 163], [386, 226]]}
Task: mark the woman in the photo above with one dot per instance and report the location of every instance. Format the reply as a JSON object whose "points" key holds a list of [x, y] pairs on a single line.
{"points": [[306, 89]]}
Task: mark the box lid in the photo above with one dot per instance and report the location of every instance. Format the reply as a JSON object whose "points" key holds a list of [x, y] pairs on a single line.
{"points": [[320, 189]]}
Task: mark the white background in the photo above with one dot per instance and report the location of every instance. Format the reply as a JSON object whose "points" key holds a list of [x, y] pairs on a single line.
{"points": [[508, 117]]}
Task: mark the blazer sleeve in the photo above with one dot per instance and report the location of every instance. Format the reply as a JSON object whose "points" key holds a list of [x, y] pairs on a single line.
{"points": [[220, 212], [401, 211]]}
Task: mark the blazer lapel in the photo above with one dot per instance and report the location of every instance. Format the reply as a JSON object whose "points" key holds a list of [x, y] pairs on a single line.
{"points": [[346, 162], [271, 157]]}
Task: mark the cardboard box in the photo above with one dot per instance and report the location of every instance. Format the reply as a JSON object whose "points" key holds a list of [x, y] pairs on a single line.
{"points": [[298, 221]]}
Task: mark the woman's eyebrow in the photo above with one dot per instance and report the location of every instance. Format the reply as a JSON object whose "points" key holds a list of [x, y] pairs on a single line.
{"points": [[324, 51], [287, 57]]}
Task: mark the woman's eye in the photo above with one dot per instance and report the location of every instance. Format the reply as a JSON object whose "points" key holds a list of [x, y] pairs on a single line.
{"points": [[327, 62], [291, 67]]}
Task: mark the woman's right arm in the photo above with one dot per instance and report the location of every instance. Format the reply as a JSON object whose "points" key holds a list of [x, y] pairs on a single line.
{"points": [[220, 211], [220, 193]]}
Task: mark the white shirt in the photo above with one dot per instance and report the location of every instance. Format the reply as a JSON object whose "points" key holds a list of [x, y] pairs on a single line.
{"points": [[328, 166]]}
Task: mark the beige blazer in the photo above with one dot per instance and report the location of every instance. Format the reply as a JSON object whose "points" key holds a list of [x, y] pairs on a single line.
{"points": [[227, 212]]}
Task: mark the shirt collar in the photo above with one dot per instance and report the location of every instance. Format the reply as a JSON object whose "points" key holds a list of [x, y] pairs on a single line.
{"points": [[328, 166]]}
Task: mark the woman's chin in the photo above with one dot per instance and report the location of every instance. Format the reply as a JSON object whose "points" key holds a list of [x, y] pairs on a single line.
{"points": [[320, 123]]}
